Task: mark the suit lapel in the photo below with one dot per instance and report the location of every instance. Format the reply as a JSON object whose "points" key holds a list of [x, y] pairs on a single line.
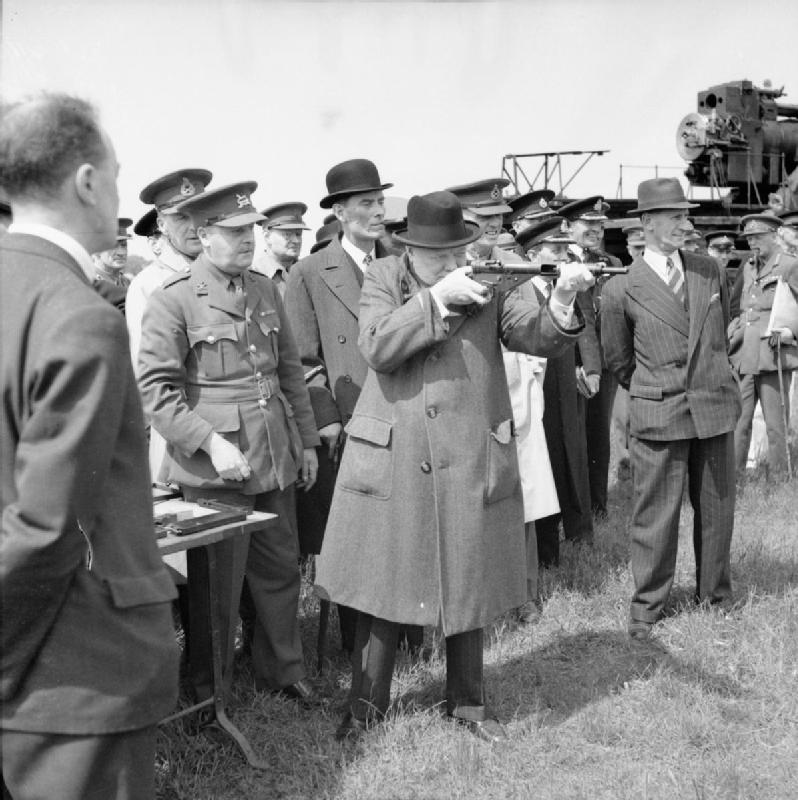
{"points": [[698, 294], [339, 276], [648, 289]]}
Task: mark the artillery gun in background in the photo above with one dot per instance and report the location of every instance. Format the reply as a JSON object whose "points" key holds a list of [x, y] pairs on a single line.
{"points": [[740, 143]]}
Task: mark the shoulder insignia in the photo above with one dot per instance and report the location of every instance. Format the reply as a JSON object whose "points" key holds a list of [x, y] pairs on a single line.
{"points": [[176, 278]]}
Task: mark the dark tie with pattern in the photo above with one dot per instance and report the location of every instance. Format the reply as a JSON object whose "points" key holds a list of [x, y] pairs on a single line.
{"points": [[675, 280], [367, 259]]}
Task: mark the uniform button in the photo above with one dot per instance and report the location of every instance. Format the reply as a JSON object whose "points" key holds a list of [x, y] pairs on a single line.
{"points": [[211, 339], [258, 374], [426, 468], [263, 313], [432, 412], [252, 348], [262, 403], [347, 379], [342, 339]]}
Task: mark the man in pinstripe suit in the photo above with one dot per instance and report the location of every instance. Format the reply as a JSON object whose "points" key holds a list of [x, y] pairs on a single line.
{"points": [[663, 332]]}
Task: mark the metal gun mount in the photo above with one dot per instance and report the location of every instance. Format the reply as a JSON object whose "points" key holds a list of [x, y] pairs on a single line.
{"points": [[736, 139]]}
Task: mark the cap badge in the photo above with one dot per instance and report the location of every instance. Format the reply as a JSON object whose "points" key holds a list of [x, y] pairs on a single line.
{"points": [[495, 193], [187, 188], [243, 200], [543, 203], [599, 206], [202, 289], [564, 226]]}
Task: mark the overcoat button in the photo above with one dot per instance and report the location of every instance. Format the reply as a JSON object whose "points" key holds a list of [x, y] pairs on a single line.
{"points": [[252, 348], [426, 468], [347, 379], [342, 339], [432, 412]]}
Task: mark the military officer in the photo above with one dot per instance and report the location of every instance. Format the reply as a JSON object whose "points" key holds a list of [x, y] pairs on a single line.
{"points": [[596, 384], [222, 383], [528, 208], [483, 203], [109, 268], [282, 234], [754, 352], [635, 238], [179, 246]]}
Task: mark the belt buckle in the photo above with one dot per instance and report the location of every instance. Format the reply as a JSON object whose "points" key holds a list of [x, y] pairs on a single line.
{"points": [[265, 387]]}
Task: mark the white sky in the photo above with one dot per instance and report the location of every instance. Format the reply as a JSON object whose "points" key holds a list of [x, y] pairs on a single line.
{"points": [[434, 92]]}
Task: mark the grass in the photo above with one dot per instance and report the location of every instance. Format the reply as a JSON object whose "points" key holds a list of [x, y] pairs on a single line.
{"points": [[707, 710]]}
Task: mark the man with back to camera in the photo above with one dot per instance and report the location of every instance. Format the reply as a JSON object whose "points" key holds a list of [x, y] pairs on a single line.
{"points": [[88, 659], [222, 383], [663, 331]]}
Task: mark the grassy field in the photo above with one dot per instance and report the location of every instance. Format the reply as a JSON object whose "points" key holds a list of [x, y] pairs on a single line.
{"points": [[707, 710]]}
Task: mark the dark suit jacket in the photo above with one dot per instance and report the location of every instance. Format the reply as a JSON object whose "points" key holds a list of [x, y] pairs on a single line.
{"points": [[323, 303], [675, 366], [88, 644]]}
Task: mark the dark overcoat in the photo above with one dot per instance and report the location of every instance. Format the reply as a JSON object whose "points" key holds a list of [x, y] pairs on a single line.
{"points": [[426, 525], [88, 645]]}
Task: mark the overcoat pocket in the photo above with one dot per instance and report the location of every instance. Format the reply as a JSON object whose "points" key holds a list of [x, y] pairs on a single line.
{"points": [[501, 474], [367, 466]]}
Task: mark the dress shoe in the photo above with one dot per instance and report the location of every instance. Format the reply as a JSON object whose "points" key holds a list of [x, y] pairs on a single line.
{"points": [[639, 630], [488, 730], [350, 728], [301, 691]]}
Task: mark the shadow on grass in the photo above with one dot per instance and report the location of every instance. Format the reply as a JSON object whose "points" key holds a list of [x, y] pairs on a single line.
{"points": [[559, 680]]}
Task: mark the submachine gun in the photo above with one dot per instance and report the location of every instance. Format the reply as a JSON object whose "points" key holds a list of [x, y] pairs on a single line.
{"points": [[504, 277]]}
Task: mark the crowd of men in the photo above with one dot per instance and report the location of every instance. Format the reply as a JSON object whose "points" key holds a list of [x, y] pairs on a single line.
{"points": [[425, 433]]}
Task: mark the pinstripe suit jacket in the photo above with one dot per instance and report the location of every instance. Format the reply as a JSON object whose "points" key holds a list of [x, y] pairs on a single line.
{"points": [[673, 362]]}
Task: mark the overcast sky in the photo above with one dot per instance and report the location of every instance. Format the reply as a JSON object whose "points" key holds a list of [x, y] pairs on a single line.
{"points": [[434, 92]]}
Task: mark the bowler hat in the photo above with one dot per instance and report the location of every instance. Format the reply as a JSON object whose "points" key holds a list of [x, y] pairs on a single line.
{"points": [[660, 194], [355, 176], [148, 224], [544, 230], [436, 221], [325, 234], [228, 206], [123, 223]]}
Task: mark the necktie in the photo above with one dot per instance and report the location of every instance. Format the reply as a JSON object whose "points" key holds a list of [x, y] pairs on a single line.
{"points": [[367, 259], [675, 280], [240, 294]]}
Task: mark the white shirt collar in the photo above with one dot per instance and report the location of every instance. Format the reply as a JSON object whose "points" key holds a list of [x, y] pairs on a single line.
{"points": [[657, 262], [63, 240], [357, 255]]}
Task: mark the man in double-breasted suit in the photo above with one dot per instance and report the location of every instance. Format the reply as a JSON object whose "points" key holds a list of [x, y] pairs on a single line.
{"points": [[322, 300], [663, 332], [88, 657]]}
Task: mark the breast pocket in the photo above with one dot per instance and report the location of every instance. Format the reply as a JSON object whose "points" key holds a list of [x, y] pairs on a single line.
{"points": [[367, 466], [212, 344], [269, 326], [501, 474]]}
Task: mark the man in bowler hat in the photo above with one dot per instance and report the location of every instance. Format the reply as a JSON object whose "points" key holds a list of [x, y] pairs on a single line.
{"points": [[323, 303], [663, 330], [428, 491]]}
